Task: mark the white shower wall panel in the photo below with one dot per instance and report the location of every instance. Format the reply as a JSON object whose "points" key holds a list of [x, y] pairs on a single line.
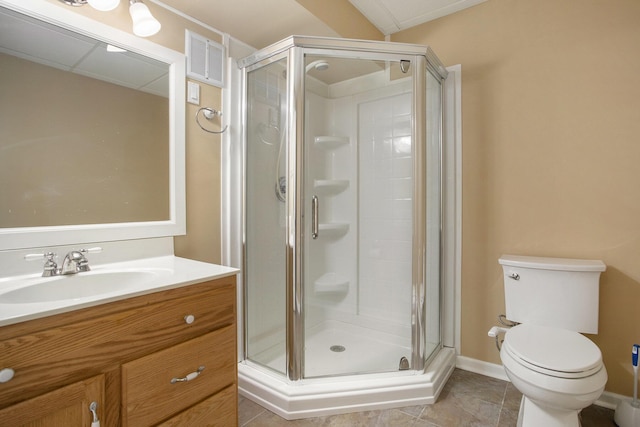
{"points": [[376, 254], [386, 205], [333, 255], [315, 166]]}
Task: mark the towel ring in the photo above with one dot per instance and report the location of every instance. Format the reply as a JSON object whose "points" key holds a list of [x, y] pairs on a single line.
{"points": [[209, 113]]}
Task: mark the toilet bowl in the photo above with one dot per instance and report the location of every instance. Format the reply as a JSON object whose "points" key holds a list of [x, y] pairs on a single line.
{"points": [[558, 371]]}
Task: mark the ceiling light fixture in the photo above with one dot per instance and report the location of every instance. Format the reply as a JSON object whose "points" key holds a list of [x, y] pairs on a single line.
{"points": [[101, 5], [144, 24]]}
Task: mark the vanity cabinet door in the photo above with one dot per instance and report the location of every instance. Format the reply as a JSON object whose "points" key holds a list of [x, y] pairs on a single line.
{"points": [[66, 406], [162, 384]]}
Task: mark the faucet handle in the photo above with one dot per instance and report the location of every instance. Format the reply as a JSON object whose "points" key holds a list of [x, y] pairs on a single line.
{"points": [[94, 250], [35, 257], [50, 266], [83, 264]]}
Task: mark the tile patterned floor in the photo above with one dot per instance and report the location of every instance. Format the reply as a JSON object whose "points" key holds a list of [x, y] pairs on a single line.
{"points": [[468, 399]]}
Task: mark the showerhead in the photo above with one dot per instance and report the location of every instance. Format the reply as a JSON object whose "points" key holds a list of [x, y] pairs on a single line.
{"points": [[319, 65]]}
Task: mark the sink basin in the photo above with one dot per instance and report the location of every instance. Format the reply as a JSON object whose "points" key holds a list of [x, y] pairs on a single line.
{"points": [[77, 286]]}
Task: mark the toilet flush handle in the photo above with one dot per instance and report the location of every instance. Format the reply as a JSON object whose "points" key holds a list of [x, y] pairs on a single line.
{"points": [[495, 332], [514, 276]]}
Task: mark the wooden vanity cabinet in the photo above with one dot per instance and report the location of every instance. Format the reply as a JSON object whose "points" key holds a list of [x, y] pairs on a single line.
{"points": [[123, 355]]}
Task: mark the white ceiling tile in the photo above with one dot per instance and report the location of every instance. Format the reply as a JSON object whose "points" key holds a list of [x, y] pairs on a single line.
{"points": [[391, 16], [158, 87], [123, 68], [378, 14], [405, 9]]}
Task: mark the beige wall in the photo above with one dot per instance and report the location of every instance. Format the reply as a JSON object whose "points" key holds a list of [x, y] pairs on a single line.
{"points": [[551, 153], [202, 241]]}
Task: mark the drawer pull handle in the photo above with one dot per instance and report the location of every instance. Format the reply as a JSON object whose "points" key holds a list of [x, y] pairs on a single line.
{"points": [[189, 377], [189, 319], [6, 375]]}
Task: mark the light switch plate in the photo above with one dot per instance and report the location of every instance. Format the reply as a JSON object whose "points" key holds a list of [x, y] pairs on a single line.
{"points": [[193, 93]]}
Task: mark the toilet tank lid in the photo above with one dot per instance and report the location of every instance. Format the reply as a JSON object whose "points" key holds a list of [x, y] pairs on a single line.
{"points": [[543, 263]]}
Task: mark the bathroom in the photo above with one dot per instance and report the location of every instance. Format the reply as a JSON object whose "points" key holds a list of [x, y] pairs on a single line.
{"points": [[548, 146]]}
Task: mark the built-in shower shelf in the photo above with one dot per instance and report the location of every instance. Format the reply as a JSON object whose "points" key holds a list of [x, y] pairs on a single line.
{"points": [[330, 186], [333, 229], [331, 283], [330, 142]]}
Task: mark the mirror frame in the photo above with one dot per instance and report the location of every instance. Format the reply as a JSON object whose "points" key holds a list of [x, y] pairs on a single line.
{"points": [[32, 237]]}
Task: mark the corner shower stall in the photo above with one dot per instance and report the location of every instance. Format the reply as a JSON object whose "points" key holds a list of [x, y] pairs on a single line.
{"points": [[342, 226]]}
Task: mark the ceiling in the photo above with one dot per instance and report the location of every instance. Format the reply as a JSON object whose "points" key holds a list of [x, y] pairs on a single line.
{"points": [[260, 23], [257, 23], [391, 16]]}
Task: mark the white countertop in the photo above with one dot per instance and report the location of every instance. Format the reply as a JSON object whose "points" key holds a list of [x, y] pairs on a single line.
{"points": [[170, 272]]}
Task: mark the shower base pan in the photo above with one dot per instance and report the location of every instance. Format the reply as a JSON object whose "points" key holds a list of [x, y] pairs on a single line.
{"points": [[342, 348], [342, 394]]}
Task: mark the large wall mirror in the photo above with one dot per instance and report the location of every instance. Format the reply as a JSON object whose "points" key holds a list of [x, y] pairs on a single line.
{"points": [[91, 131]]}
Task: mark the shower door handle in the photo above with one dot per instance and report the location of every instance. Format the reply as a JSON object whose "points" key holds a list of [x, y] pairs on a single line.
{"points": [[314, 217]]}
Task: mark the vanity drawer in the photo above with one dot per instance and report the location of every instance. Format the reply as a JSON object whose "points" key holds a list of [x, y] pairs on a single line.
{"points": [[148, 394], [49, 358], [219, 410]]}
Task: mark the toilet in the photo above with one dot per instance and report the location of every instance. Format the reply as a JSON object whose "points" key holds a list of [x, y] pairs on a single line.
{"points": [[550, 302]]}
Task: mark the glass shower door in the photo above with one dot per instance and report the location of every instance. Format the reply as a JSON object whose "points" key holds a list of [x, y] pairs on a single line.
{"points": [[265, 201], [359, 186], [433, 211]]}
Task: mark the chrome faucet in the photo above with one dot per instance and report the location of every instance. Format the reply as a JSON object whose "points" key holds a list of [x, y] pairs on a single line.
{"points": [[74, 262]]}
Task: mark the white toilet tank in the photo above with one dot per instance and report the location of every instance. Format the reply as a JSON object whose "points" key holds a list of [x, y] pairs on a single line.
{"points": [[556, 292]]}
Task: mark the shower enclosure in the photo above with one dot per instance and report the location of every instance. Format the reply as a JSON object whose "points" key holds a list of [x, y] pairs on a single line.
{"points": [[342, 226]]}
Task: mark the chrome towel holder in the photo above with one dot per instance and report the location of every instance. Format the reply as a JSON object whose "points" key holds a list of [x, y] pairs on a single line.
{"points": [[209, 113]]}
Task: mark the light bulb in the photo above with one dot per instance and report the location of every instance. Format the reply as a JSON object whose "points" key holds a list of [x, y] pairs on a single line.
{"points": [[144, 24], [103, 5]]}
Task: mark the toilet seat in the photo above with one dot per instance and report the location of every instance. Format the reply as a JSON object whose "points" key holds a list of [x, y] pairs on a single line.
{"points": [[555, 352]]}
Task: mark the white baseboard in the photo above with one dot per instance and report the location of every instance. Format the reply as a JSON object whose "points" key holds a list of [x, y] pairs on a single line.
{"points": [[480, 367], [607, 399], [610, 400]]}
